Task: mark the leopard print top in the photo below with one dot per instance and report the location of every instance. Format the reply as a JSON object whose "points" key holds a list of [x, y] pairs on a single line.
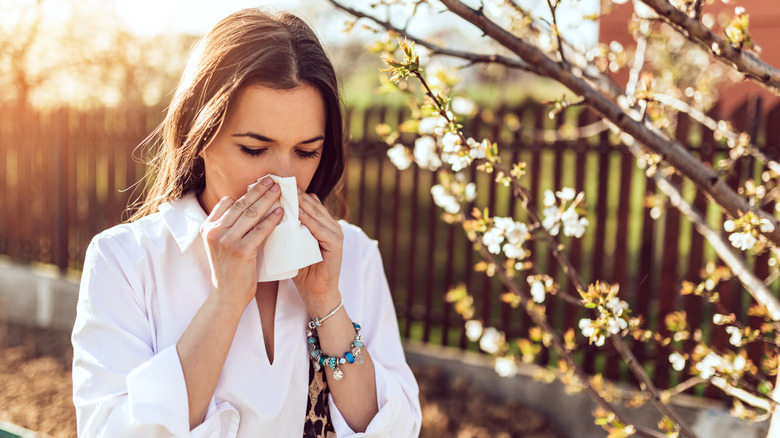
{"points": [[318, 423]]}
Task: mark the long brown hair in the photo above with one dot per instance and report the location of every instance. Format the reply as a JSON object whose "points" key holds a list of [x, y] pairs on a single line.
{"points": [[248, 47]]}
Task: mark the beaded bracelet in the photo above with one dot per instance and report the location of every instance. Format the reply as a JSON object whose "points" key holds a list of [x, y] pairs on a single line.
{"points": [[317, 322], [321, 360]]}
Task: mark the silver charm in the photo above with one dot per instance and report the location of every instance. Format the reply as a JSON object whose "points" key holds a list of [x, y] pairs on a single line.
{"points": [[338, 374]]}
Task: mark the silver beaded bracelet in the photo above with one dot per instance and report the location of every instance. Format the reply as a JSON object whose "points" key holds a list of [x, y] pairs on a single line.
{"points": [[317, 322]]}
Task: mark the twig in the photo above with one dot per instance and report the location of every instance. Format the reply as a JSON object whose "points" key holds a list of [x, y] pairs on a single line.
{"points": [[697, 9], [639, 57], [473, 58], [745, 396], [553, 5], [711, 124], [747, 64], [684, 386]]}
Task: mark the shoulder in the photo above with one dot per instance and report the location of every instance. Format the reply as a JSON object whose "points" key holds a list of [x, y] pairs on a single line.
{"points": [[128, 240]]}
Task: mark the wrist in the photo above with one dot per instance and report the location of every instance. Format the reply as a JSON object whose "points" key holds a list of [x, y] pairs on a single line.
{"points": [[321, 305], [226, 304]]}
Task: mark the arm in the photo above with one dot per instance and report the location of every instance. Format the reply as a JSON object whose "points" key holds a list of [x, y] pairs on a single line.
{"points": [[397, 394], [380, 396], [122, 387]]}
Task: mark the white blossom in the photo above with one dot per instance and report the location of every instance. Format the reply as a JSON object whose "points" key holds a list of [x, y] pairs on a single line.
{"points": [[473, 329], [550, 220], [549, 198], [399, 156], [573, 225], [538, 292], [708, 365], [566, 194], [477, 153], [493, 238], [736, 335], [513, 251], [677, 360], [517, 233], [719, 319], [444, 199], [450, 142], [616, 306], [729, 226], [491, 338], [742, 241], [425, 154], [739, 363], [506, 366], [427, 125], [458, 162], [470, 192], [441, 125], [766, 226], [461, 105], [586, 326], [616, 325]]}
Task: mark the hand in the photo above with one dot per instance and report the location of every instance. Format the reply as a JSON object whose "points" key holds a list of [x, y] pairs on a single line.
{"points": [[318, 283], [232, 234]]}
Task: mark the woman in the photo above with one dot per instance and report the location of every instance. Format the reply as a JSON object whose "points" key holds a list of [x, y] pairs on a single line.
{"points": [[175, 336]]}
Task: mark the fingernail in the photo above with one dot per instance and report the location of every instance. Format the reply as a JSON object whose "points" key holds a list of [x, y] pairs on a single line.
{"points": [[275, 188], [278, 210], [267, 182]]}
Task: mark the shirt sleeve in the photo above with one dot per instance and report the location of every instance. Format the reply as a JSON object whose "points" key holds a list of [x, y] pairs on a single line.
{"points": [[122, 387], [398, 400]]}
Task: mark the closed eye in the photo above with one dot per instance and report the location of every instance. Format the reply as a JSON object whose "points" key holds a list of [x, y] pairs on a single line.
{"points": [[308, 154], [253, 152]]}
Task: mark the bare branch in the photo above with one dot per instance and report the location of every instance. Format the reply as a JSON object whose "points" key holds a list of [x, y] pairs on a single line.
{"points": [[639, 57], [553, 5], [671, 151], [473, 58], [742, 60]]}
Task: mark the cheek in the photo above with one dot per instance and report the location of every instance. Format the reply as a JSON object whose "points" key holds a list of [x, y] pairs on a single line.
{"points": [[305, 173]]}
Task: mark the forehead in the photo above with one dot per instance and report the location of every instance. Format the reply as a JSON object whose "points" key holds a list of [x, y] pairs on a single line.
{"points": [[284, 115]]}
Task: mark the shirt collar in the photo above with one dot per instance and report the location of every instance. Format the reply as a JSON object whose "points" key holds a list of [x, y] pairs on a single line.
{"points": [[184, 218]]}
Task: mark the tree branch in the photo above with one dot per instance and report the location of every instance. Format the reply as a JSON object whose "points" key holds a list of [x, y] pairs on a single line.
{"points": [[474, 58], [671, 151], [752, 67]]}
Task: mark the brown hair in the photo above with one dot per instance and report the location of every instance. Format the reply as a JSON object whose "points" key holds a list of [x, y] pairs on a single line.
{"points": [[248, 47]]}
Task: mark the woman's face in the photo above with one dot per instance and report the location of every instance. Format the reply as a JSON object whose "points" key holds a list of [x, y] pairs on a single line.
{"points": [[280, 132]]}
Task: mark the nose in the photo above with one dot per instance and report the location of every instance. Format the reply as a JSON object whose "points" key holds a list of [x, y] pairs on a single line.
{"points": [[283, 167]]}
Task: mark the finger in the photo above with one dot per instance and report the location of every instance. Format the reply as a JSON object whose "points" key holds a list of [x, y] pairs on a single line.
{"points": [[260, 231], [325, 235], [311, 206], [249, 198], [254, 213], [220, 209]]}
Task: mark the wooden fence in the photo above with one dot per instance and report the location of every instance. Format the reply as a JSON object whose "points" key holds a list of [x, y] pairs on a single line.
{"points": [[65, 175]]}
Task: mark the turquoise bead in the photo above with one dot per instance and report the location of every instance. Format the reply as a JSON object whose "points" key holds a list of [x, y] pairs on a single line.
{"points": [[358, 344], [350, 357]]}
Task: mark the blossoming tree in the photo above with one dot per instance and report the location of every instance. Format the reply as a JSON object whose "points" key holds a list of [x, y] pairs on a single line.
{"points": [[642, 114]]}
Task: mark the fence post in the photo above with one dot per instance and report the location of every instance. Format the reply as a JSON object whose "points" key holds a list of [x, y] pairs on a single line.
{"points": [[61, 154]]}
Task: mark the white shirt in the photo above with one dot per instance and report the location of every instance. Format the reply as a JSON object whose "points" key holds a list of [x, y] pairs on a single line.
{"points": [[142, 284]]}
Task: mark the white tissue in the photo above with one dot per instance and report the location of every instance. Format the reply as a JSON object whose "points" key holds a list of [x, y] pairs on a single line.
{"points": [[290, 246]]}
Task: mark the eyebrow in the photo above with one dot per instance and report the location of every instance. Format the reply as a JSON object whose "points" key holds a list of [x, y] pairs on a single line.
{"points": [[270, 140]]}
